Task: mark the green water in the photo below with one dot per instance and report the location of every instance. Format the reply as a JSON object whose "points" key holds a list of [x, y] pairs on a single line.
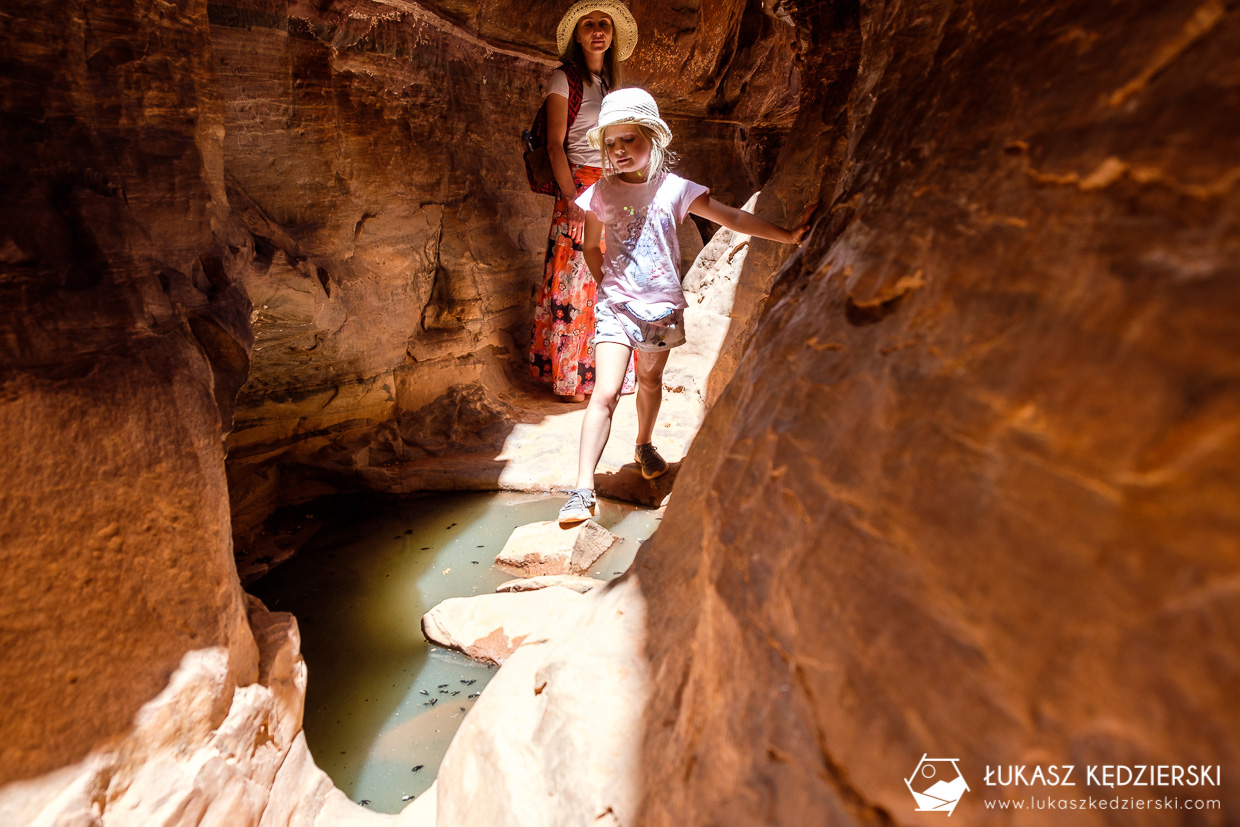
{"points": [[359, 589]]}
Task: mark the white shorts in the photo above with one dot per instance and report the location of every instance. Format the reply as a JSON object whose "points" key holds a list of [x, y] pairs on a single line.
{"points": [[649, 328]]}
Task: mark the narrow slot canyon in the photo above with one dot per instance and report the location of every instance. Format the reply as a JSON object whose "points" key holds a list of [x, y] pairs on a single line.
{"points": [[953, 506]]}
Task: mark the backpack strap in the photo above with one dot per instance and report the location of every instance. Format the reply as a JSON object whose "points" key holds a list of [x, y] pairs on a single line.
{"points": [[538, 130], [576, 87]]}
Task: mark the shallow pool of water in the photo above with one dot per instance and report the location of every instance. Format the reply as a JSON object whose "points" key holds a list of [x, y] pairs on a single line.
{"points": [[382, 704]]}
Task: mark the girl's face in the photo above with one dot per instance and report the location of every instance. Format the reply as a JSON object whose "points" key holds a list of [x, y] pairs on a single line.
{"points": [[628, 149], [594, 32]]}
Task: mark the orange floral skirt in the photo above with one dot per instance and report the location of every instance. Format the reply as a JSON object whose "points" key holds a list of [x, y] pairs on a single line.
{"points": [[562, 347]]}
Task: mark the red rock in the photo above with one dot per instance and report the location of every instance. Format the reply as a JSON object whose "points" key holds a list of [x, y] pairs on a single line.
{"points": [[547, 548], [972, 488], [125, 337]]}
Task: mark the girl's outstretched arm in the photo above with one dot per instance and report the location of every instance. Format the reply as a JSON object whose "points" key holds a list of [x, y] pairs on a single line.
{"points": [[740, 221]]}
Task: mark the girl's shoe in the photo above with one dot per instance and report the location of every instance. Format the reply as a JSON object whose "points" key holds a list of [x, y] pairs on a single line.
{"points": [[648, 458], [580, 506]]}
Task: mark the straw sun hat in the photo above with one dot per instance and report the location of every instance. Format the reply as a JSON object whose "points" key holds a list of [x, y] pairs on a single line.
{"points": [[623, 24], [631, 105]]}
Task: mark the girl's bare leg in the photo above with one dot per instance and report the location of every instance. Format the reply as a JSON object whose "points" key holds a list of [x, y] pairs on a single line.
{"points": [[611, 359], [649, 392]]}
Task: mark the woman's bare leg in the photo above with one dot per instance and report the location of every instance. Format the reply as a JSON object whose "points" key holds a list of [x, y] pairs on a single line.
{"points": [[610, 361]]}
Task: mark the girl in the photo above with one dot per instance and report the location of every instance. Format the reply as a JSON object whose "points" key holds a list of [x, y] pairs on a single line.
{"points": [[594, 39], [641, 304]]}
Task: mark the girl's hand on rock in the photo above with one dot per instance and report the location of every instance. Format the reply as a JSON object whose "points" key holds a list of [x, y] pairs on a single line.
{"points": [[803, 225]]}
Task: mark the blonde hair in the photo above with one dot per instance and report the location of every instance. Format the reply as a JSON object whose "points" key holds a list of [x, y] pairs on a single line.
{"points": [[662, 159]]}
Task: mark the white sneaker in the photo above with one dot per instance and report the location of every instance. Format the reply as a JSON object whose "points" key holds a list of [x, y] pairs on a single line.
{"points": [[580, 506]]}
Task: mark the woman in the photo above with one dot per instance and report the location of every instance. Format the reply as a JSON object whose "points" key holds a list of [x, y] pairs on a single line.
{"points": [[594, 37]]}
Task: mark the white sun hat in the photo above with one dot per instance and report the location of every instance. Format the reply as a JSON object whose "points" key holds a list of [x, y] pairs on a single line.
{"points": [[631, 105], [624, 27]]}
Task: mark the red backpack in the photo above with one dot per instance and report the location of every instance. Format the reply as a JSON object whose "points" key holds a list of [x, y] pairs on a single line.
{"points": [[537, 161]]}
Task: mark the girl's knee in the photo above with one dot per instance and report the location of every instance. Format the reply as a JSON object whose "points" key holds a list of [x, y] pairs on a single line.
{"points": [[650, 379], [605, 399]]}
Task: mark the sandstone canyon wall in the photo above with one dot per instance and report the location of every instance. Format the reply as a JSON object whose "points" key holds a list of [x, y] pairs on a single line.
{"points": [[139, 685], [125, 340], [973, 489]]}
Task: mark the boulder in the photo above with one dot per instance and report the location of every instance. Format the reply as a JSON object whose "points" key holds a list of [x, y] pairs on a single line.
{"points": [[547, 548], [627, 484], [490, 627], [555, 738], [575, 582]]}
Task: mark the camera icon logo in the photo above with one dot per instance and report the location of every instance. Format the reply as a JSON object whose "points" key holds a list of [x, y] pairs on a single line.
{"points": [[937, 784]]}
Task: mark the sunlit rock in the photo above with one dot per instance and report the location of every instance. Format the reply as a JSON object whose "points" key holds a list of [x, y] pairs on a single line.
{"points": [[490, 627], [627, 484], [549, 548], [551, 740], [185, 759], [576, 583]]}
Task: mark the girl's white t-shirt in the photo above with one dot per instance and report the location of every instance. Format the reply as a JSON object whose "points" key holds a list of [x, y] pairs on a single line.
{"points": [[641, 259], [579, 150]]}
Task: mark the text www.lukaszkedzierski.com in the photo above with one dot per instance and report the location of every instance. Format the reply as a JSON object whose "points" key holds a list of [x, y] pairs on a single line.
{"points": [[1092, 803]]}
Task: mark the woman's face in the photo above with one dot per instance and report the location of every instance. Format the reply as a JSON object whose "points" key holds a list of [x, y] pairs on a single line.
{"points": [[594, 32], [628, 149]]}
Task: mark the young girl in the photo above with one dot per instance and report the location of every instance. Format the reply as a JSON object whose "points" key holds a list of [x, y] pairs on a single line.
{"points": [[641, 304]]}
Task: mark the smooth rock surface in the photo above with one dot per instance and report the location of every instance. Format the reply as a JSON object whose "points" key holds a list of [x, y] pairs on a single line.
{"points": [[490, 627], [549, 548], [551, 739], [627, 484], [710, 287], [972, 489], [123, 340], [573, 582], [188, 762]]}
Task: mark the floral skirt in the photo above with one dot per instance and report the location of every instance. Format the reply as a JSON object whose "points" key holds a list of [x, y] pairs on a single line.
{"points": [[562, 347]]}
